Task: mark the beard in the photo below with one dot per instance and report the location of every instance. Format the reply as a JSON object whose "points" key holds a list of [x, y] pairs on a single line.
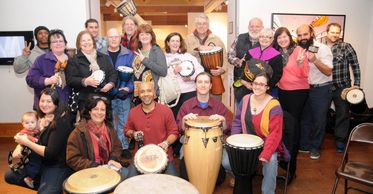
{"points": [[305, 43], [254, 35]]}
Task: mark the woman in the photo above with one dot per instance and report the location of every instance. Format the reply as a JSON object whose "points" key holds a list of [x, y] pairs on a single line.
{"points": [[175, 55], [83, 68], [260, 114], [293, 87], [48, 69], [149, 62], [94, 141], [51, 146], [267, 53]]}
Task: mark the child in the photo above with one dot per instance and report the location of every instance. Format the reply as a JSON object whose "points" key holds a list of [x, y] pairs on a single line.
{"points": [[30, 128]]}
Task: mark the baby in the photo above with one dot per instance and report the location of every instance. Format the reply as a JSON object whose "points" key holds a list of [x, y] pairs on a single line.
{"points": [[31, 129]]}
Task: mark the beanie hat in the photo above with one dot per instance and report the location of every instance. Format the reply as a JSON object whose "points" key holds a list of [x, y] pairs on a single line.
{"points": [[37, 29]]}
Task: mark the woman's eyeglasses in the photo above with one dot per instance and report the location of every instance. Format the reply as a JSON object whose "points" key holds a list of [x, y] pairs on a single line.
{"points": [[259, 84], [99, 97]]}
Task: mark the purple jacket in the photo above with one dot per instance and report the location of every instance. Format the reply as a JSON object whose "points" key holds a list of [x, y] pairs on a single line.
{"points": [[43, 68]]}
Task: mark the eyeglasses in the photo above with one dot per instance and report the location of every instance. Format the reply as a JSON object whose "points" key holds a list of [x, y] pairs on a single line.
{"points": [[57, 41], [259, 84], [113, 37], [99, 97], [267, 37]]}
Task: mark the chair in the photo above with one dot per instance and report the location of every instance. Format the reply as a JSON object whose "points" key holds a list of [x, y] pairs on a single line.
{"points": [[358, 172]]}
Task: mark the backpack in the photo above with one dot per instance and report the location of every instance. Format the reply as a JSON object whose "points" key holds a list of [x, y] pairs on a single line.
{"points": [[169, 90]]}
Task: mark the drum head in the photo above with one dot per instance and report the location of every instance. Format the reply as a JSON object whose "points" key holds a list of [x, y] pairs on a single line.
{"points": [[355, 96], [98, 75], [155, 183], [125, 69], [150, 159], [187, 68], [92, 180], [245, 140], [215, 49], [202, 122]]}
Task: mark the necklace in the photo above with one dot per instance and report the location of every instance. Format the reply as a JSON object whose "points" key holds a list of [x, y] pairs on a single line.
{"points": [[253, 111]]}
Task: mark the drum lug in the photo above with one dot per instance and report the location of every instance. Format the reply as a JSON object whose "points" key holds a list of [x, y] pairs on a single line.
{"points": [[222, 139], [214, 139], [186, 139], [205, 141]]}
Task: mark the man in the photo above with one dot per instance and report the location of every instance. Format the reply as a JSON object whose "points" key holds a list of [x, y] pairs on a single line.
{"points": [[203, 105], [344, 57], [91, 25], [320, 79], [202, 39], [129, 26], [236, 56], [119, 56], [155, 122], [24, 62]]}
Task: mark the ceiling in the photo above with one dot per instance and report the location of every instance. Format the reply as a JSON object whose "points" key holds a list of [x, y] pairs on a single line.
{"points": [[164, 12]]}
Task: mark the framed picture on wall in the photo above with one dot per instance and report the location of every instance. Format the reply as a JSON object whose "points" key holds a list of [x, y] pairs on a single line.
{"points": [[318, 21]]}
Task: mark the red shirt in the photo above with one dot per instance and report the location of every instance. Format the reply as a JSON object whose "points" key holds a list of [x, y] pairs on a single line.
{"points": [[157, 125]]}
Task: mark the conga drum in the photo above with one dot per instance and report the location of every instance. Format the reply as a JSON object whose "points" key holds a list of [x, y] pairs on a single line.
{"points": [[155, 184], [211, 60], [203, 152], [92, 180], [243, 152], [150, 159]]}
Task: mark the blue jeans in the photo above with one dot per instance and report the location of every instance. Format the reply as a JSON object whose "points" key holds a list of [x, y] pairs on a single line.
{"points": [[269, 171], [314, 118], [170, 170], [121, 109]]}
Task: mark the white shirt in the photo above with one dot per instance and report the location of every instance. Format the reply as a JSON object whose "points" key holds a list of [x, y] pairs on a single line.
{"points": [[325, 55]]}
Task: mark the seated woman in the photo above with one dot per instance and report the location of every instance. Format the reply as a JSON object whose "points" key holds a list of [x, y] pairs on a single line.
{"points": [[55, 125], [94, 141], [260, 114]]}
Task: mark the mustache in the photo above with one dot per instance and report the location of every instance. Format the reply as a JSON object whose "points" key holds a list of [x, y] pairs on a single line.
{"points": [[305, 43]]}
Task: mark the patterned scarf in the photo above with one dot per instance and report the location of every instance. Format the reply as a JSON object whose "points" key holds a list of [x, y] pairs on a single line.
{"points": [[130, 44], [92, 58], [201, 41], [101, 139], [285, 55]]}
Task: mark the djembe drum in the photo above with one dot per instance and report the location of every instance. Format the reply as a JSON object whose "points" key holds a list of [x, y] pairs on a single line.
{"points": [[211, 59], [202, 152], [150, 159], [187, 69], [243, 152], [154, 184], [92, 180], [356, 98]]}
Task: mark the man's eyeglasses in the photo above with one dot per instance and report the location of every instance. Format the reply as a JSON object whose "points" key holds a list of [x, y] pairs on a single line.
{"points": [[259, 84]]}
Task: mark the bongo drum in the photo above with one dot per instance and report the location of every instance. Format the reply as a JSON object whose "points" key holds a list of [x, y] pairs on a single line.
{"points": [[150, 159], [243, 152], [155, 184], [211, 60], [187, 69], [124, 73], [202, 152], [92, 180]]}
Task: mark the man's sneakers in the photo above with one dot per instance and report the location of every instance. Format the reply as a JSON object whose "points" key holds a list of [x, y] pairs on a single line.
{"points": [[29, 182], [306, 151], [340, 147], [126, 154], [315, 155]]}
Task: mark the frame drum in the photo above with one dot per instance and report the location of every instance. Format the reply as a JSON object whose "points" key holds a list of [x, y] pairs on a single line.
{"points": [[187, 69], [150, 159], [92, 180], [154, 184], [203, 152], [243, 152]]}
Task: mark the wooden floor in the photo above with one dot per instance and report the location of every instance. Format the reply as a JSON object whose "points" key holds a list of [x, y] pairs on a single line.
{"points": [[313, 176]]}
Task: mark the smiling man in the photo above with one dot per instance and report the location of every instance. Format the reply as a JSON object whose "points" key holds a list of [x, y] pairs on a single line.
{"points": [[92, 27]]}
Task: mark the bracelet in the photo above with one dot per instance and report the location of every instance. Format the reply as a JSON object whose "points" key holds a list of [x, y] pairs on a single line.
{"points": [[166, 142]]}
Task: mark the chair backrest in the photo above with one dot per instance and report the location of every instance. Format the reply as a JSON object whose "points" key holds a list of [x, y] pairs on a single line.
{"points": [[362, 133]]}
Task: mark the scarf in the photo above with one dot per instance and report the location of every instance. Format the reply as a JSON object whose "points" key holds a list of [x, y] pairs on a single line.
{"points": [[101, 139], [285, 55], [92, 58], [59, 68], [202, 41], [129, 42]]}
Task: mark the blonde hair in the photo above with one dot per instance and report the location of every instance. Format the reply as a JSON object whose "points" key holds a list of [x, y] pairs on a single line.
{"points": [[29, 115]]}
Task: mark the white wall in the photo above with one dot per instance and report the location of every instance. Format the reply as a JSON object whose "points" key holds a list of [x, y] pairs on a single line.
{"points": [[21, 15], [358, 29]]}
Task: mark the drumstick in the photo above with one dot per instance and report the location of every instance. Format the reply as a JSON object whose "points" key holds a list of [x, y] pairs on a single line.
{"points": [[243, 58]]}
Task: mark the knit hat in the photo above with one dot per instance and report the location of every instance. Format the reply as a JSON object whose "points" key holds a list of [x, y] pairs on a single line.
{"points": [[37, 29]]}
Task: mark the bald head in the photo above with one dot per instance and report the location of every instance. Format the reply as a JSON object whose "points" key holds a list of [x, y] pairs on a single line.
{"points": [[147, 92], [255, 26], [113, 37]]}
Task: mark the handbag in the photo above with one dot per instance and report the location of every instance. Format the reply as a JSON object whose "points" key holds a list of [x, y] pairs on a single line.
{"points": [[169, 90]]}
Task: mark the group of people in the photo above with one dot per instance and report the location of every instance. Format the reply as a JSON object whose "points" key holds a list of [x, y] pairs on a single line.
{"points": [[273, 77]]}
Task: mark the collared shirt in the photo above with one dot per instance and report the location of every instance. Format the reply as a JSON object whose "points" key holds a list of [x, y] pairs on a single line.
{"points": [[232, 52], [343, 56], [100, 43], [213, 107], [325, 55]]}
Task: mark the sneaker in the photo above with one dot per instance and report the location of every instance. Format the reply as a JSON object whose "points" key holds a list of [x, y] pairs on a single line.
{"points": [[126, 154], [29, 182], [340, 147], [315, 155], [131, 145], [231, 182], [306, 151]]}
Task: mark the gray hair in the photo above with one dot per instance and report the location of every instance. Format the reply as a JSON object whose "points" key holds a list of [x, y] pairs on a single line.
{"points": [[266, 32], [201, 16]]}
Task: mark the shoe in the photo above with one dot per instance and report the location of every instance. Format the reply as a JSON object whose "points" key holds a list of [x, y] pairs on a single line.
{"points": [[126, 154], [340, 147], [131, 145], [315, 155], [306, 151], [231, 182], [29, 182], [291, 177]]}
